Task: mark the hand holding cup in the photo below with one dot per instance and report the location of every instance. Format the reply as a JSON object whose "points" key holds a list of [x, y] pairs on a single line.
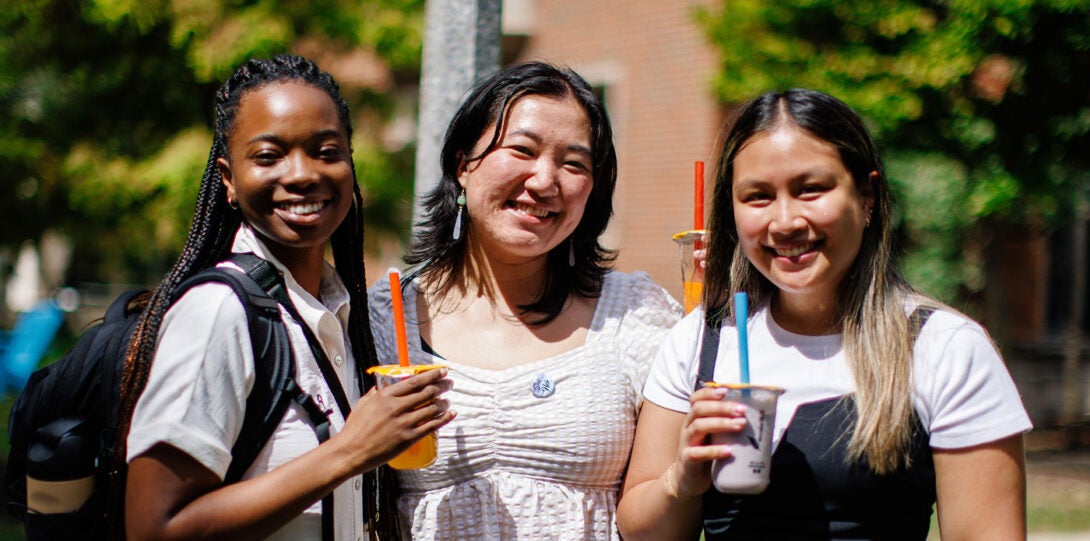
{"points": [[423, 452], [747, 470], [709, 415], [386, 422]]}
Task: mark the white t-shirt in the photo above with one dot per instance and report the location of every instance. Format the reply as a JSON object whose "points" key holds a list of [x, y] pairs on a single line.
{"points": [[963, 394], [203, 370]]}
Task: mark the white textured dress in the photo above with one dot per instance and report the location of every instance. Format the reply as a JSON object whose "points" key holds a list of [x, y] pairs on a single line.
{"points": [[537, 451]]}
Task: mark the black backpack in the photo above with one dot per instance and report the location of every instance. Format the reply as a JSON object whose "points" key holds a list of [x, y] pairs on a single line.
{"points": [[63, 424]]}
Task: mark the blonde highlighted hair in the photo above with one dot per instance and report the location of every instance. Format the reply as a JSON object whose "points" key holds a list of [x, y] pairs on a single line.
{"points": [[877, 335]]}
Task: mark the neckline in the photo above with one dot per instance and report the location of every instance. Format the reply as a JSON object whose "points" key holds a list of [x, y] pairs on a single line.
{"points": [[594, 332], [819, 345]]}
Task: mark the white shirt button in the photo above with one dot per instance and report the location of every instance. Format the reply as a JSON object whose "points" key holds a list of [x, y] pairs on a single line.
{"points": [[338, 360], [358, 483]]}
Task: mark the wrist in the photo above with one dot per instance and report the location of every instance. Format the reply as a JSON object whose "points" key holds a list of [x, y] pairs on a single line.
{"points": [[672, 479]]}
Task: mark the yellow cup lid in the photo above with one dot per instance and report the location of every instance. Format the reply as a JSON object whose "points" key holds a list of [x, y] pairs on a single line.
{"points": [[744, 386], [692, 233], [398, 370]]}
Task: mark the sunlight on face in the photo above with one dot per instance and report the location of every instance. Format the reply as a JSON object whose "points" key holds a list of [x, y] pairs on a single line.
{"points": [[290, 167], [800, 218], [528, 194]]}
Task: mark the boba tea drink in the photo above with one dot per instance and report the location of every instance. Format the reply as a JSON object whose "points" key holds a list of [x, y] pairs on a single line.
{"points": [[423, 452], [747, 470], [692, 276]]}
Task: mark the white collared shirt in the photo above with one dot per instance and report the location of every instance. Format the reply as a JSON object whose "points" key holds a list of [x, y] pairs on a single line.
{"points": [[203, 371]]}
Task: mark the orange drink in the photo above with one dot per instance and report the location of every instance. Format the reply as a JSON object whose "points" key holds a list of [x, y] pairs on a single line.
{"points": [[694, 293], [692, 275], [424, 451]]}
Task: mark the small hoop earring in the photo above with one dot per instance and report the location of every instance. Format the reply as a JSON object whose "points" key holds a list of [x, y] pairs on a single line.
{"points": [[458, 219], [233, 204], [571, 253]]}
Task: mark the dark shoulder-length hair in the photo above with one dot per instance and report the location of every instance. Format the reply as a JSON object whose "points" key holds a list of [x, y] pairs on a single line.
{"points": [[209, 242], [435, 252]]}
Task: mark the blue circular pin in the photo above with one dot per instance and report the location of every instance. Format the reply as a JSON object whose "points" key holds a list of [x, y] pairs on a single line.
{"points": [[542, 387]]}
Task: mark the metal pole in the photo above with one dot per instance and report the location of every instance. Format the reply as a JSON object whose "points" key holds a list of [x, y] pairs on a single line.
{"points": [[461, 44]]}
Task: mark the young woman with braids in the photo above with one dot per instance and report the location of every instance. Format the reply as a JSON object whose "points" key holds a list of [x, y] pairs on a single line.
{"points": [[279, 183], [547, 345], [881, 416]]}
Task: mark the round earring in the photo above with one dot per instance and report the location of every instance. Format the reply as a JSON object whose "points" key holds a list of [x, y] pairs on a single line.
{"points": [[233, 204]]}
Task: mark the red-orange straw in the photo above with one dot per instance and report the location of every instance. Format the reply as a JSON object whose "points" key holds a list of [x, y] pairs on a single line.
{"points": [[698, 207], [399, 318]]}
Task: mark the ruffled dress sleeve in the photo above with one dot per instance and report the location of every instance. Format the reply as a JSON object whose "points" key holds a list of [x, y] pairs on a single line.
{"points": [[380, 315], [649, 314]]}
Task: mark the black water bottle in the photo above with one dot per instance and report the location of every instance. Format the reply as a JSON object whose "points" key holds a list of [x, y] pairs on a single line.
{"points": [[60, 467]]}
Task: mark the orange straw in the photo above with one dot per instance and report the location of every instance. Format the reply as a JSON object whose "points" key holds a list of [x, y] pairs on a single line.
{"points": [[698, 184], [399, 317], [698, 197]]}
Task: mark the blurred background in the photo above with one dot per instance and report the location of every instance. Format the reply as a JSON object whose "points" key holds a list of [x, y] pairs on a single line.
{"points": [[981, 109]]}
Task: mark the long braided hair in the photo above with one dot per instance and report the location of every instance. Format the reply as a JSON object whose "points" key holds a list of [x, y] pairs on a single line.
{"points": [[209, 242]]}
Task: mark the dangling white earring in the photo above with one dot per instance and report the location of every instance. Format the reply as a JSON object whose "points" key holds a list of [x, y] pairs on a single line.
{"points": [[458, 220], [571, 253]]}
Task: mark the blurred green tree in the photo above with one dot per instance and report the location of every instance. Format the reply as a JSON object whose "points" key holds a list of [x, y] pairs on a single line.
{"points": [[105, 112], [982, 107]]}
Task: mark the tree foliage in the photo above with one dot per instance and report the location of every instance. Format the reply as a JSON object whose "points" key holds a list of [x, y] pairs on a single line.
{"points": [[105, 111], [982, 106]]}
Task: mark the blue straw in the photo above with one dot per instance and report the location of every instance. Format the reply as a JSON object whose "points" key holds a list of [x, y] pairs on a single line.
{"points": [[741, 316]]}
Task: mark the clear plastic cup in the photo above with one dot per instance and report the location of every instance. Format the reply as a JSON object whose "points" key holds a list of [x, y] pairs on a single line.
{"points": [[692, 276], [747, 470], [424, 451]]}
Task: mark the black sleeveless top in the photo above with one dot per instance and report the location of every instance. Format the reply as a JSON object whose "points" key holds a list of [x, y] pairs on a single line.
{"points": [[814, 494]]}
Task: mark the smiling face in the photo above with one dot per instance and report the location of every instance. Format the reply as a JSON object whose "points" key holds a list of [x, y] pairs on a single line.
{"points": [[527, 195], [290, 167], [799, 216]]}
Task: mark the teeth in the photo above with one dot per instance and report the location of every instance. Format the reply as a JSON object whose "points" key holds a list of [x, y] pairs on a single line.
{"points": [[532, 211], [794, 251], [304, 208]]}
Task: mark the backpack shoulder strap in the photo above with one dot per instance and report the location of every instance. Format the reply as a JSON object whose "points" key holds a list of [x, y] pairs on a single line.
{"points": [[258, 288], [709, 349], [273, 283], [274, 363], [917, 320]]}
